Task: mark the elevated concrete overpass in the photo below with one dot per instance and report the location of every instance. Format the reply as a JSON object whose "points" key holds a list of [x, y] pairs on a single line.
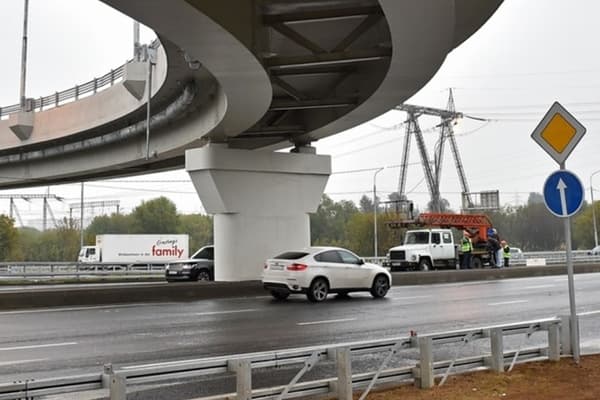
{"points": [[235, 80]]}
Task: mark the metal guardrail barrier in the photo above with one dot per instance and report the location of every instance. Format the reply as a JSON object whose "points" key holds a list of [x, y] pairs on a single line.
{"points": [[77, 269], [59, 269], [342, 384], [56, 99], [74, 93], [549, 257]]}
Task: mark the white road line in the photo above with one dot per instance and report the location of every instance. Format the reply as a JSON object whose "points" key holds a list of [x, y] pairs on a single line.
{"points": [[114, 306], [37, 346], [330, 321], [582, 314], [410, 297], [22, 361], [508, 302], [228, 312], [539, 287]]}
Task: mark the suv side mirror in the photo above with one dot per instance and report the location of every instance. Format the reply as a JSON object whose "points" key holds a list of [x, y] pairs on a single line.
{"points": [[361, 261]]}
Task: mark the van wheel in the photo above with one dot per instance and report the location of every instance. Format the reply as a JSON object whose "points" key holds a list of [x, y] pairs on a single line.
{"points": [[424, 264], [476, 263]]}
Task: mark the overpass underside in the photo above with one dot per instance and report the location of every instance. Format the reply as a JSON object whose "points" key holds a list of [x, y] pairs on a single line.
{"points": [[232, 81]]}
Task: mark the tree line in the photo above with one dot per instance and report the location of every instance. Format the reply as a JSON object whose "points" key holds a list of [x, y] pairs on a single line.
{"points": [[335, 223]]}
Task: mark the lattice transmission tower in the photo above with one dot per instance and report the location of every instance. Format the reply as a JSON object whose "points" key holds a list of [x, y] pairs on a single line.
{"points": [[433, 171]]}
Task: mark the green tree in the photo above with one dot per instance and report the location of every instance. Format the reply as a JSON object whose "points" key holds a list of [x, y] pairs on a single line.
{"points": [[9, 239], [583, 227], [59, 244], [360, 234], [328, 224], [29, 242], [155, 216], [103, 224], [199, 227], [365, 204]]}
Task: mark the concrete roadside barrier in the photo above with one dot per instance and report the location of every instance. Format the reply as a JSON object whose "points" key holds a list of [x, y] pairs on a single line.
{"points": [[83, 295]]}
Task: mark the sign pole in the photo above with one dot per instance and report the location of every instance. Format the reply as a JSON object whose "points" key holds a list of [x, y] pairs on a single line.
{"points": [[558, 133], [574, 325]]}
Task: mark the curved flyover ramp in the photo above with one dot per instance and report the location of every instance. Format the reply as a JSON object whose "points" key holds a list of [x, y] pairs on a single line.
{"points": [[245, 77], [262, 74]]}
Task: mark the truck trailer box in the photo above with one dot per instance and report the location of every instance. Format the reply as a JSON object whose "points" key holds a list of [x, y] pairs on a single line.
{"points": [[137, 249]]}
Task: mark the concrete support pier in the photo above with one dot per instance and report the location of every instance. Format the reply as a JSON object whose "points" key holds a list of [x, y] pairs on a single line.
{"points": [[260, 201]]}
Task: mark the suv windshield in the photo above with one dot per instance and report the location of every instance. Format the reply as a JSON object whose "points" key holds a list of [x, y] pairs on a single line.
{"points": [[417, 237]]}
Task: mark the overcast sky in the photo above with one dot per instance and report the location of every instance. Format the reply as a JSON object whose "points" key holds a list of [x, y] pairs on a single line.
{"points": [[530, 54]]}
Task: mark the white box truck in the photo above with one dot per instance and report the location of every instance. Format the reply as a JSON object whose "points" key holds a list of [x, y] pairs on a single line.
{"points": [[129, 249]]}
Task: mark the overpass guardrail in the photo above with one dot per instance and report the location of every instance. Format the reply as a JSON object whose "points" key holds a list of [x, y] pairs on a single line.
{"points": [[340, 381], [58, 98]]}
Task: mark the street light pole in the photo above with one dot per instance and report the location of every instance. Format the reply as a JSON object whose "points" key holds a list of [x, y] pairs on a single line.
{"points": [[24, 57], [375, 210], [593, 208]]}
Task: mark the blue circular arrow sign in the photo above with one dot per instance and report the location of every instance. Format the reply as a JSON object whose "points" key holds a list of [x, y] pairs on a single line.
{"points": [[563, 193]]}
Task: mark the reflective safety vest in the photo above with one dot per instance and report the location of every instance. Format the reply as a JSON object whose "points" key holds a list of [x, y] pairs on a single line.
{"points": [[466, 245], [506, 250]]}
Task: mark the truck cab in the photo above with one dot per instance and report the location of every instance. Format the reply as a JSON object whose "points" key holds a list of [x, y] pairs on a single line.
{"points": [[424, 249], [89, 254]]}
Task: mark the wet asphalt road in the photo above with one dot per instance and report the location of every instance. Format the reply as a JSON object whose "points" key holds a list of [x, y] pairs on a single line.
{"points": [[69, 341]]}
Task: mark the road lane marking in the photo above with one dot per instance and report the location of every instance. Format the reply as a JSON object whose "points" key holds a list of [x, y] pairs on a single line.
{"points": [[539, 287], [2, 363], [37, 346], [502, 303], [410, 297], [113, 306], [583, 314], [329, 321], [228, 312]]}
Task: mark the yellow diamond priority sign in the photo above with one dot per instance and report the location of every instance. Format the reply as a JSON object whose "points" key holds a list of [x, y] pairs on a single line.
{"points": [[558, 133]]}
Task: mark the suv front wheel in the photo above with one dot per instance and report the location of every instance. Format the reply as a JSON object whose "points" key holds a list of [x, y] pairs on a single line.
{"points": [[203, 275], [380, 286]]}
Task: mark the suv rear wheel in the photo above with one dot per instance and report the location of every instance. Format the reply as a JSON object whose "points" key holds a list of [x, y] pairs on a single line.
{"points": [[318, 290]]}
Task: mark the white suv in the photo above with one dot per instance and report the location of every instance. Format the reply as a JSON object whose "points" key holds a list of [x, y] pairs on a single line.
{"points": [[318, 271]]}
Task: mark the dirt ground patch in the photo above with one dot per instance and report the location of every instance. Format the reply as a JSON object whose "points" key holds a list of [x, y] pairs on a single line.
{"points": [[530, 381]]}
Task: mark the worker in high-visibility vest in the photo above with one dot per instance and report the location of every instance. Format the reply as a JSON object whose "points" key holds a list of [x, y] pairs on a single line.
{"points": [[505, 253], [466, 247]]}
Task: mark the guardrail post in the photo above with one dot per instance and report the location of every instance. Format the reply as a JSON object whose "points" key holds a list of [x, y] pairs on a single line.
{"points": [[106, 375], [243, 378], [554, 342], [425, 379], [343, 359], [497, 346], [565, 334], [118, 387]]}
